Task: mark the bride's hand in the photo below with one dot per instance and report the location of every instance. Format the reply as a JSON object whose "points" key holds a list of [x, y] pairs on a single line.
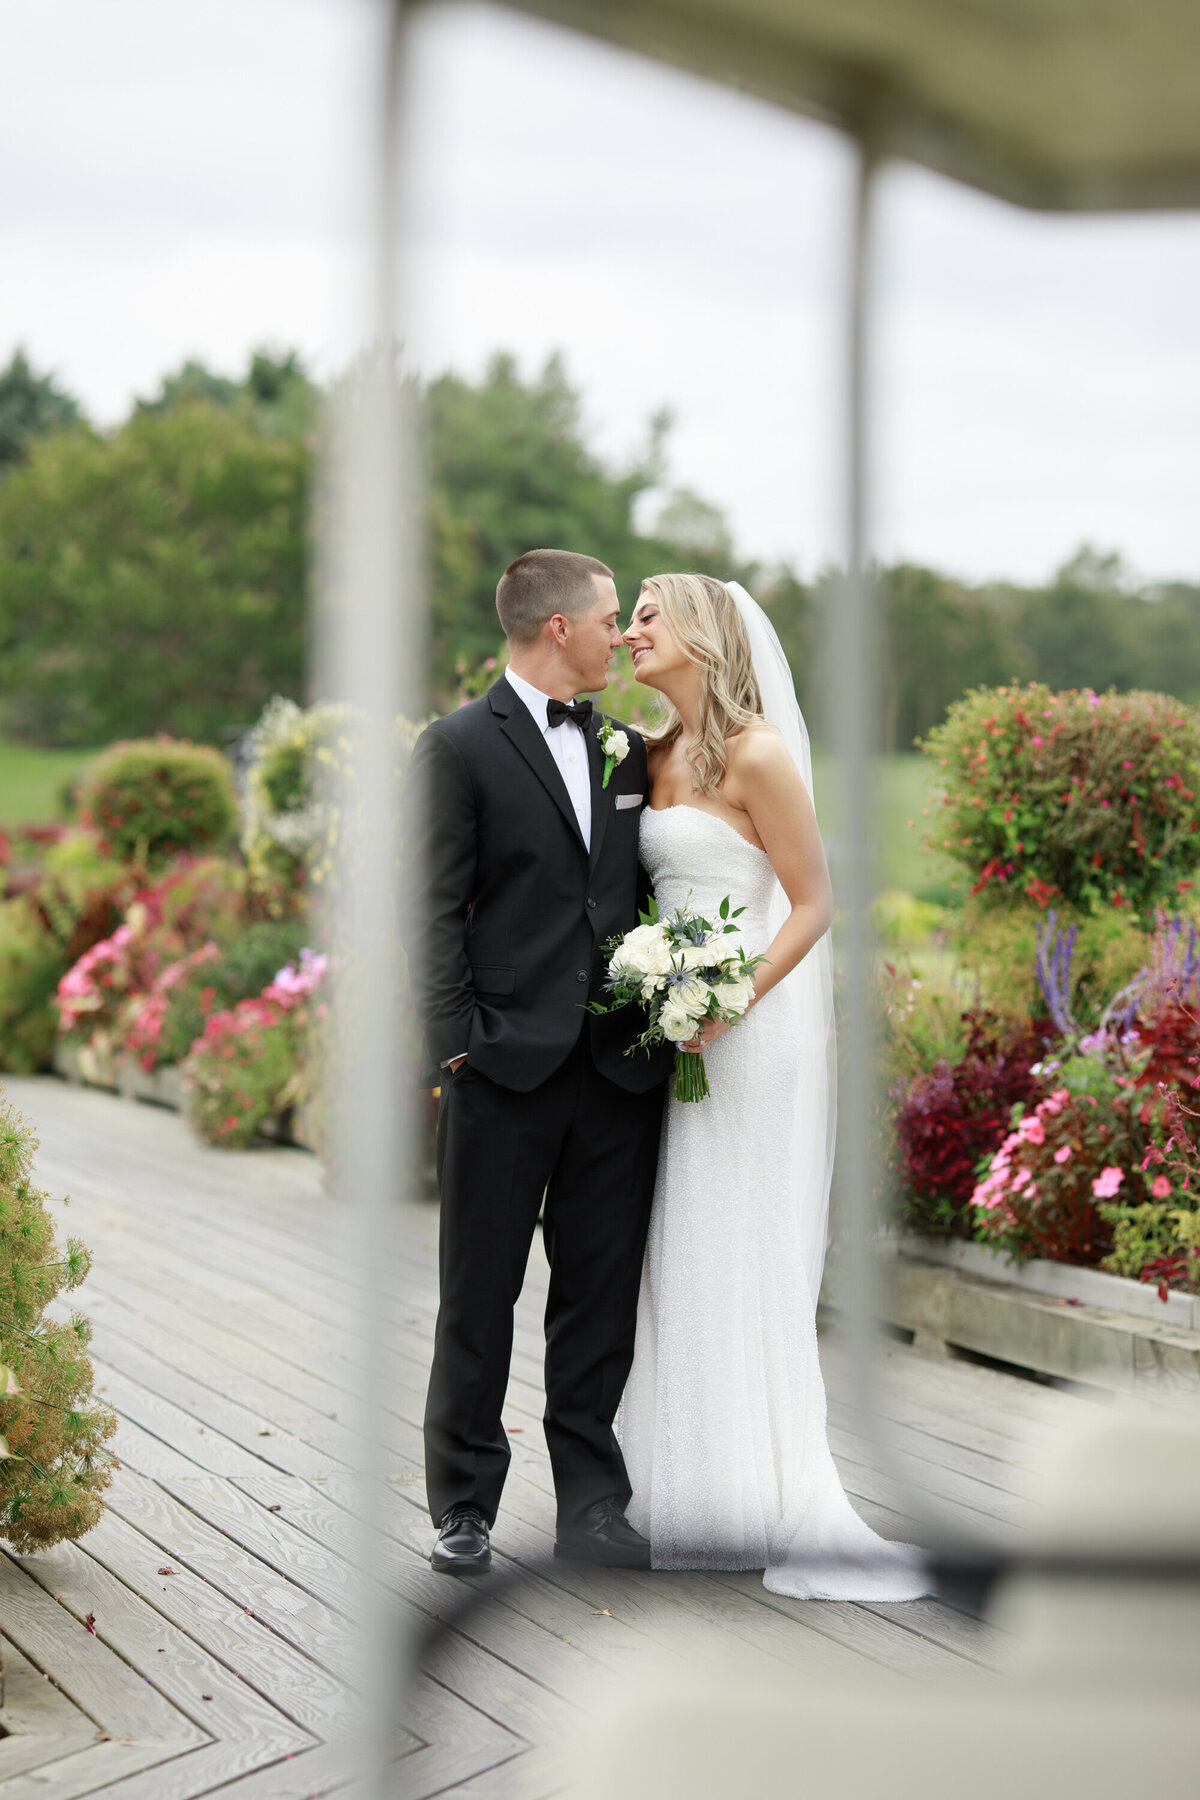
{"points": [[714, 1029]]}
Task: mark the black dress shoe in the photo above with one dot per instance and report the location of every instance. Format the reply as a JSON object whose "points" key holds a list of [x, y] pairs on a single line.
{"points": [[462, 1546], [602, 1534]]}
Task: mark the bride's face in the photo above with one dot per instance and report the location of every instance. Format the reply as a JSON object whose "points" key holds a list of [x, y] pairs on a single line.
{"points": [[654, 651]]}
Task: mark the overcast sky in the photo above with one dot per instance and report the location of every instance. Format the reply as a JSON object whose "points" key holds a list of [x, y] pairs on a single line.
{"points": [[181, 180]]}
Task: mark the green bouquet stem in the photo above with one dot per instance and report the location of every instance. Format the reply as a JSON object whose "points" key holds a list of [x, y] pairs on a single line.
{"points": [[691, 1078]]}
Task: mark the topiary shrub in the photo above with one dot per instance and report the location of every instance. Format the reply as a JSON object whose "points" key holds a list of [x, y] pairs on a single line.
{"points": [[53, 1464], [1075, 799], [153, 798]]}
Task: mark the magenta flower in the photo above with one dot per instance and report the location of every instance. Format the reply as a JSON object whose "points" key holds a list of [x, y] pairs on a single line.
{"points": [[1160, 1187], [1063, 1155]]}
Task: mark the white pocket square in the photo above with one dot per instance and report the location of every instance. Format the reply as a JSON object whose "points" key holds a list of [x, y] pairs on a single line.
{"points": [[626, 800]]}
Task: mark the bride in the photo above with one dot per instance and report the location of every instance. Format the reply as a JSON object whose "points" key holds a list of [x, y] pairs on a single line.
{"points": [[722, 1423]]}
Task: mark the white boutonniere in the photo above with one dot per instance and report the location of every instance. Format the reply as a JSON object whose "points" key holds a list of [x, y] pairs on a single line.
{"points": [[615, 745]]}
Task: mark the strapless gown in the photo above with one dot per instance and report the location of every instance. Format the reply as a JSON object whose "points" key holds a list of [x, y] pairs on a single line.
{"points": [[722, 1423]]}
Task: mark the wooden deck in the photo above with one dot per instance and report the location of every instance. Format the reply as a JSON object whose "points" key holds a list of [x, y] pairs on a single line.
{"points": [[223, 1301]]}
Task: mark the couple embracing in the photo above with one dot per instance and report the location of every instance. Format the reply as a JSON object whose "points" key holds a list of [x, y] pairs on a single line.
{"points": [[685, 1410]]}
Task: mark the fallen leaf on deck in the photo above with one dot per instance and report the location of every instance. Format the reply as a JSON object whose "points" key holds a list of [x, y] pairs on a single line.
{"points": [[90, 1622], [602, 1612], [206, 1696], [266, 1434], [275, 1507], [166, 1569]]}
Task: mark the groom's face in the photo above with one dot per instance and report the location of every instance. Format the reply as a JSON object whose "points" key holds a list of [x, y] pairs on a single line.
{"points": [[595, 638]]}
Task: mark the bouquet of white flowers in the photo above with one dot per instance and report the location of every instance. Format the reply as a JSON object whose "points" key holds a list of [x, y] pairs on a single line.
{"points": [[685, 972]]}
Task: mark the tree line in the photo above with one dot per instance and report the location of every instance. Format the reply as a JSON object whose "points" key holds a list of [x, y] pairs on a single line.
{"points": [[155, 577]]}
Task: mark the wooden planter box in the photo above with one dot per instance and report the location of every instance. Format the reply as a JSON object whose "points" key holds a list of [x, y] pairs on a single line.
{"points": [[1076, 1324]]}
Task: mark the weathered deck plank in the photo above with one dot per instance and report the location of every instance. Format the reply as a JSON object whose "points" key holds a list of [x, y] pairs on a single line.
{"points": [[225, 1313]]}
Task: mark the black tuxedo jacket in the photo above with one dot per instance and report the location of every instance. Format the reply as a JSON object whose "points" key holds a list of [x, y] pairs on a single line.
{"points": [[512, 910]]}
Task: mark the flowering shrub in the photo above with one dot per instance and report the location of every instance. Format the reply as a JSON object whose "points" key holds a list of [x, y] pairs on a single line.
{"points": [[1076, 798], [153, 798], [247, 1066], [147, 1021], [950, 1117], [93, 992], [160, 1027], [293, 828], [1041, 1191]]}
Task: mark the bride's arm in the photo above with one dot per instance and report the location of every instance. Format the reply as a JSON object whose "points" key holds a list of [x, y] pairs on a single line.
{"points": [[763, 781]]}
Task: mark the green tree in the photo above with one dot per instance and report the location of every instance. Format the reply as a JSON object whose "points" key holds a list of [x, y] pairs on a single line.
{"points": [[152, 581], [940, 638], [510, 470], [30, 405], [275, 392]]}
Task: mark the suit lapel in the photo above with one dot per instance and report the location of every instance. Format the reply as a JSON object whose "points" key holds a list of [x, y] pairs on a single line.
{"points": [[518, 726], [601, 796]]}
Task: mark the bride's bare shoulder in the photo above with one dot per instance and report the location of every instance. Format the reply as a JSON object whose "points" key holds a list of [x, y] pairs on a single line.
{"points": [[756, 748]]}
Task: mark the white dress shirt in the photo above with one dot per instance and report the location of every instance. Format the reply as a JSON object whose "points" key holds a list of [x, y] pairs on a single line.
{"points": [[568, 748]]}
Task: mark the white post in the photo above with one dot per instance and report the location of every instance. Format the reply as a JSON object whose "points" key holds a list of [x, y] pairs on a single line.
{"points": [[855, 710], [372, 640]]}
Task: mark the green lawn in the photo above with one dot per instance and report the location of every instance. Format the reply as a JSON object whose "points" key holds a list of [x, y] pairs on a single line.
{"points": [[31, 782], [904, 783]]}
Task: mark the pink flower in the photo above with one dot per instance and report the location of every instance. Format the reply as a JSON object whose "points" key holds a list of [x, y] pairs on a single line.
{"points": [[1160, 1187], [1020, 1180], [1037, 743], [1063, 1155], [1032, 1130], [1107, 1182]]}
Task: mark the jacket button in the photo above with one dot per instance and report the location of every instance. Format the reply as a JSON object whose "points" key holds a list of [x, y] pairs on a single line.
{"points": [[582, 975], [591, 902]]}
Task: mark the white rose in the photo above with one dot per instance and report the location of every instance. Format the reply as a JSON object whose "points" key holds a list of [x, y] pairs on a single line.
{"points": [[723, 950], [693, 996], [676, 1022], [646, 950], [736, 995], [616, 745], [701, 956]]}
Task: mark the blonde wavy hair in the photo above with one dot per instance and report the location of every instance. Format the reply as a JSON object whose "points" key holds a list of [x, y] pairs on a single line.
{"points": [[704, 621]]}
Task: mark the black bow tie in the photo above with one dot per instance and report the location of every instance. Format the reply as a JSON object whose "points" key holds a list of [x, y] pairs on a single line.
{"points": [[579, 713]]}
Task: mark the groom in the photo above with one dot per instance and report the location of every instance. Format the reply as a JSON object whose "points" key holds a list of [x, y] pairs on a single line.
{"points": [[526, 863]]}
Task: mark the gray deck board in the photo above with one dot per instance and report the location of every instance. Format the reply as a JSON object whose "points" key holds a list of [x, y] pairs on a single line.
{"points": [[225, 1312]]}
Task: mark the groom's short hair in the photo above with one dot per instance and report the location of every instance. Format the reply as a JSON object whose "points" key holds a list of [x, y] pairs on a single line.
{"points": [[542, 583]]}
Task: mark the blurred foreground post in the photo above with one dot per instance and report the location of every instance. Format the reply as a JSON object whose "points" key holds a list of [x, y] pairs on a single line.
{"points": [[372, 641]]}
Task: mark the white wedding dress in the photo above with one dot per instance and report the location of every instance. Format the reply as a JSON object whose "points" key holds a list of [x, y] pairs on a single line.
{"points": [[722, 1423]]}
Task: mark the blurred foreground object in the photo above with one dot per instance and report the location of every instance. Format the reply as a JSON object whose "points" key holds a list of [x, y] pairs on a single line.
{"points": [[1053, 105], [1102, 1676]]}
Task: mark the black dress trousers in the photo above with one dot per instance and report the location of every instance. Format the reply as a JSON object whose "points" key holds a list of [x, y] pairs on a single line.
{"points": [[591, 1148]]}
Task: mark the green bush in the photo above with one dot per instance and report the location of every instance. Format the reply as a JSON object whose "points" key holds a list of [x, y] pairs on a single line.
{"points": [[53, 1465], [1073, 799], [999, 949], [902, 921], [153, 798], [31, 964]]}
